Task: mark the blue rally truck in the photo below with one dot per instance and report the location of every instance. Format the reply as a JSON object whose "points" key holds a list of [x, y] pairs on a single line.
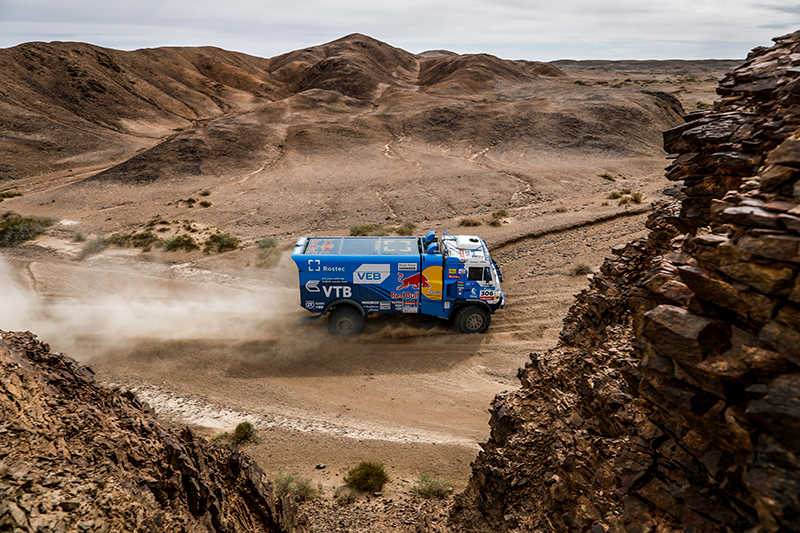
{"points": [[349, 278]]}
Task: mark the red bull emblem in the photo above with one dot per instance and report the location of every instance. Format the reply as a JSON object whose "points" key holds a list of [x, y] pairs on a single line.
{"points": [[417, 281]]}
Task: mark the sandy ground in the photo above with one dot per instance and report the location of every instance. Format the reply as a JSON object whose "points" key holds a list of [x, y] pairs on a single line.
{"points": [[224, 347]]}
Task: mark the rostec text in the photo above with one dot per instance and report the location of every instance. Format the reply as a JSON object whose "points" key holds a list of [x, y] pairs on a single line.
{"points": [[332, 269]]}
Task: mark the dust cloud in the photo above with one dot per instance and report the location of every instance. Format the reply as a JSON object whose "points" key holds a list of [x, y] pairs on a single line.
{"points": [[87, 313]]}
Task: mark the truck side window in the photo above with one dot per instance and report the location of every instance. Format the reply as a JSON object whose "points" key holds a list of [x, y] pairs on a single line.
{"points": [[475, 274]]}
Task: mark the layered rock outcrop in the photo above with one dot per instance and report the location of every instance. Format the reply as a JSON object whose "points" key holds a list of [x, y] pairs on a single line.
{"points": [[76, 456], [672, 402]]}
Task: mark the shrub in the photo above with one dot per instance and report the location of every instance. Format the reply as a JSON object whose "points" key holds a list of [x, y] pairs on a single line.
{"points": [[205, 203], [430, 487], [374, 230], [614, 195], [222, 242], [15, 228], [267, 242], [406, 229], [561, 209], [9, 194], [703, 105], [205, 192], [344, 496], [79, 236], [244, 432], [299, 489], [604, 203], [186, 242], [94, 246], [580, 269], [637, 197], [625, 191], [624, 201], [500, 213], [469, 222], [368, 476], [607, 176]]}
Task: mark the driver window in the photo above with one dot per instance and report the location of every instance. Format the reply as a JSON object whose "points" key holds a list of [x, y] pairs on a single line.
{"points": [[475, 274]]}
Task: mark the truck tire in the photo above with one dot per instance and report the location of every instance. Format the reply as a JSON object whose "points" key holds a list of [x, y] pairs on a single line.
{"points": [[346, 321], [472, 319]]}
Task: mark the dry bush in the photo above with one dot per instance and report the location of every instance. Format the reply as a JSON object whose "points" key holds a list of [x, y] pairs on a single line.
{"points": [[15, 228], [469, 222]]}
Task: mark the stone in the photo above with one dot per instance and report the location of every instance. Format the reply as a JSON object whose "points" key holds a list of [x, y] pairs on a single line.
{"points": [[770, 278], [676, 333]]}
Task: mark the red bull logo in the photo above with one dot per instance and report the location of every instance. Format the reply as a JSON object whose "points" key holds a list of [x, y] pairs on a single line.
{"points": [[417, 281]]}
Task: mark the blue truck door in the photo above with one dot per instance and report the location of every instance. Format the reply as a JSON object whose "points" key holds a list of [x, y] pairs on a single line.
{"points": [[431, 286]]}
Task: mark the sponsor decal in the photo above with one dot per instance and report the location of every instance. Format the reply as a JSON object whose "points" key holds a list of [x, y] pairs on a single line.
{"points": [[433, 290], [453, 276], [462, 270], [406, 266], [320, 246], [410, 306], [339, 290], [386, 306], [312, 285], [416, 281], [310, 304], [404, 295], [368, 274], [452, 271]]}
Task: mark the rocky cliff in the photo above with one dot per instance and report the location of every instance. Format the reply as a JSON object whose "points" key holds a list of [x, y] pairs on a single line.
{"points": [[75, 456], [672, 402]]}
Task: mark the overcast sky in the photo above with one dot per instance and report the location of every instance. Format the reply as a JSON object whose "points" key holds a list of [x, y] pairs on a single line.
{"points": [[542, 30]]}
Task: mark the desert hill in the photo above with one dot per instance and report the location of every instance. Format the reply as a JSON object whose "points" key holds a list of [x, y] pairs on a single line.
{"points": [[355, 124]]}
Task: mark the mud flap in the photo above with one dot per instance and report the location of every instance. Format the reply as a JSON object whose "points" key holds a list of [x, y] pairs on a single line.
{"points": [[306, 319]]}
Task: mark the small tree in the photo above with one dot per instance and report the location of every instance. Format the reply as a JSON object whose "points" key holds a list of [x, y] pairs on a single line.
{"points": [[368, 476]]}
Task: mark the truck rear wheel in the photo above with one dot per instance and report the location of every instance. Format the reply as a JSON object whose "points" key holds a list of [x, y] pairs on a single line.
{"points": [[472, 319], [345, 320]]}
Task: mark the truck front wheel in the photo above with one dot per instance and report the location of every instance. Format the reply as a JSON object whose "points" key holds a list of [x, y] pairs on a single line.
{"points": [[346, 321], [472, 319]]}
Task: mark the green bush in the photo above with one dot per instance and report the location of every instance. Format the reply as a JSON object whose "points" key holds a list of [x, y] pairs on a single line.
{"points": [[407, 228], [430, 487], [94, 246], [345, 496], [267, 242], [178, 242], [500, 213], [373, 230], [222, 242], [299, 489], [469, 222], [79, 236], [205, 192], [368, 476], [581, 269], [15, 228], [9, 194], [205, 203], [244, 432]]}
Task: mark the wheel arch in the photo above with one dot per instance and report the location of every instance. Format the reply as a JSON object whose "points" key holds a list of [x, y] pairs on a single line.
{"points": [[344, 301], [458, 304]]}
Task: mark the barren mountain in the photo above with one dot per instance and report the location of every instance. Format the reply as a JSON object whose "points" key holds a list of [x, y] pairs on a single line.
{"points": [[368, 132]]}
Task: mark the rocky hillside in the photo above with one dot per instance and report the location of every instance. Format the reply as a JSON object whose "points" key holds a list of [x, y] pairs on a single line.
{"points": [[75, 456], [672, 402]]}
